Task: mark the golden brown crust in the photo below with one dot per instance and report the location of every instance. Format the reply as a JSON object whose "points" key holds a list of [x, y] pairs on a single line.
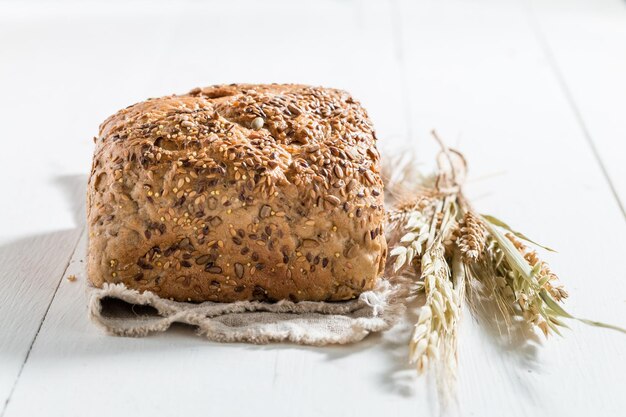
{"points": [[238, 192]]}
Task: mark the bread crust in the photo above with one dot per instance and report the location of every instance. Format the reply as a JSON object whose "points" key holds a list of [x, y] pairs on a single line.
{"points": [[238, 192]]}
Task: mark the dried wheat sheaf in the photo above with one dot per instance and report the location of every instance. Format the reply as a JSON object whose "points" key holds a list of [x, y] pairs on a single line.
{"points": [[444, 246]]}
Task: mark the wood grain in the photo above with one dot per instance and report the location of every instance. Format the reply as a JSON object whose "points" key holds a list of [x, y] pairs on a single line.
{"points": [[31, 265], [587, 45], [27, 292]]}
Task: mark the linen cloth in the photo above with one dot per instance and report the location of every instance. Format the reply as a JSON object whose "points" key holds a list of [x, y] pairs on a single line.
{"points": [[123, 311]]}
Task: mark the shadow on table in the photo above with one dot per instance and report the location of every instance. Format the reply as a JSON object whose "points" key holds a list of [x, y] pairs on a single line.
{"points": [[35, 256], [33, 268]]}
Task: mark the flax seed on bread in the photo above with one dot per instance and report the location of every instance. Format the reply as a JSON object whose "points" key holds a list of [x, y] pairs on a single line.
{"points": [[238, 192]]}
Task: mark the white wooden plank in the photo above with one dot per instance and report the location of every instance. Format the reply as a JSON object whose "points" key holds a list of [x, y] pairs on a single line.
{"points": [[28, 286], [587, 41], [479, 74]]}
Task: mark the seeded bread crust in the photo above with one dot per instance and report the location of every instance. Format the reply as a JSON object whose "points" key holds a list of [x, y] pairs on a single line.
{"points": [[238, 192]]}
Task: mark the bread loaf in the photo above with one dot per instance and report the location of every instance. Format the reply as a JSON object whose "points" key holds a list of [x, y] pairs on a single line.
{"points": [[238, 192]]}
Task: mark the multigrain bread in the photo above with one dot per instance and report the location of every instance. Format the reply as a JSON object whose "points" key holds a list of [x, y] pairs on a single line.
{"points": [[238, 192]]}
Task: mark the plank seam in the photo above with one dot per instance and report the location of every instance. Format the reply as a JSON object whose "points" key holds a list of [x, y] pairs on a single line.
{"points": [[397, 35], [569, 97], [43, 319]]}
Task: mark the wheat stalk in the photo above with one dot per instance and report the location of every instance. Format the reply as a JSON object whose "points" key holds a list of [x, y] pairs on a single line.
{"points": [[418, 220], [450, 247], [528, 283], [472, 237], [547, 279], [436, 328], [488, 286]]}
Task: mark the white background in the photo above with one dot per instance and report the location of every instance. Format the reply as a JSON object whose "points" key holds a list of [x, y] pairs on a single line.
{"points": [[533, 91]]}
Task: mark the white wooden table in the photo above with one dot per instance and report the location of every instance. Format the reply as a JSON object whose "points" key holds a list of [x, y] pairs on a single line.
{"points": [[533, 91]]}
